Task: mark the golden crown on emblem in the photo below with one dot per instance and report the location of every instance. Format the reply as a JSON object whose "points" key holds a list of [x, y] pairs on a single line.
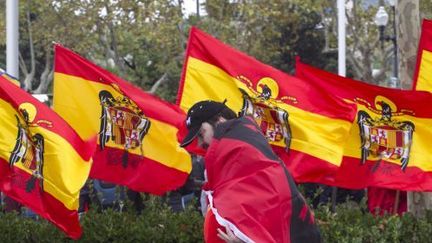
{"points": [[124, 102]]}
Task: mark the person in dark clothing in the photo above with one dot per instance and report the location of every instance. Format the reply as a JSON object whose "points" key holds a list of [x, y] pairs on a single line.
{"points": [[320, 194], [84, 199], [180, 198], [10, 205], [251, 194], [108, 195], [342, 195], [137, 200]]}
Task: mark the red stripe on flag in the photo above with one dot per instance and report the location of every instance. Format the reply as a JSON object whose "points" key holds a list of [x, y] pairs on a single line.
{"points": [[425, 43], [399, 138], [306, 168], [107, 165], [386, 175], [346, 88], [13, 184]]}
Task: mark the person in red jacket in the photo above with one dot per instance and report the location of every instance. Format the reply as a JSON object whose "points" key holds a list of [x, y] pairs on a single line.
{"points": [[252, 196]]}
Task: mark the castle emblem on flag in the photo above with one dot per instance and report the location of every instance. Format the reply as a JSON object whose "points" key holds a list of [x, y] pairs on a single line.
{"points": [[122, 122], [385, 137], [262, 104], [29, 148]]}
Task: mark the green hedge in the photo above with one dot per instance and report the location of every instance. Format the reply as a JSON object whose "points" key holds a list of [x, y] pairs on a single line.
{"points": [[355, 224], [156, 223], [350, 223]]}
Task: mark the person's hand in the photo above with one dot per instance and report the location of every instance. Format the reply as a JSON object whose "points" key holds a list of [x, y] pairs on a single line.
{"points": [[229, 236]]}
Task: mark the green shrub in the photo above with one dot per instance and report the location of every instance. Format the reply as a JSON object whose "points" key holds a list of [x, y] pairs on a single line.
{"points": [[157, 223], [355, 224]]}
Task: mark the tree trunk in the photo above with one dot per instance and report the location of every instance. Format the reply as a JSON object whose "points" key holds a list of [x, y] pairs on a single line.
{"points": [[158, 83], [29, 76], [408, 32], [419, 202], [113, 45], [44, 78]]}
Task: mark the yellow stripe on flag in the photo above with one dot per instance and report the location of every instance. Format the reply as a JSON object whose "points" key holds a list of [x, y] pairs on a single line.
{"points": [[391, 138], [206, 81], [161, 137], [62, 175], [424, 81]]}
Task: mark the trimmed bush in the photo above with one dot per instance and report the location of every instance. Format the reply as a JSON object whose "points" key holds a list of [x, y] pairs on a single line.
{"points": [[157, 223]]}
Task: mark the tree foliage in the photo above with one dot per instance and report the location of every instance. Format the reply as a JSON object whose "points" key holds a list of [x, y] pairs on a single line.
{"points": [[425, 9], [144, 41], [139, 40], [272, 31]]}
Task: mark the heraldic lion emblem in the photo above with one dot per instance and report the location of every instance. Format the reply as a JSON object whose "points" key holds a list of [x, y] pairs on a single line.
{"points": [[29, 148], [122, 122], [262, 105], [385, 137]]}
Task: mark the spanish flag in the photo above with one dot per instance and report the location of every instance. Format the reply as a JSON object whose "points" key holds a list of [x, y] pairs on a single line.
{"points": [[43, 161], [423, 74], [306, 127], [6, 76], [137, 132], [389, 144]]}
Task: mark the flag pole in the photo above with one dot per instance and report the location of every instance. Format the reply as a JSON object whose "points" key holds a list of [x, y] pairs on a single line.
{"points": [[341, 66], [12, 38], [341, 38]]}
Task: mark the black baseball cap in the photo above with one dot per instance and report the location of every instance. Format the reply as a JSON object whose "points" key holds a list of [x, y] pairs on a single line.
{"points": [[197, 115]]}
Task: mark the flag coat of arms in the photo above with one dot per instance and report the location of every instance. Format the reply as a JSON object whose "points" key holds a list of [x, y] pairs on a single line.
{"points": [[43, 161], [137, 132], [389, 144], [306, 127], [423, 74]]}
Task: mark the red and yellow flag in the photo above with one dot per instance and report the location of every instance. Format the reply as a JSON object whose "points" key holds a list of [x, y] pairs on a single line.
{"points": [[137, 143], [43, 161], [389, 144], [9, 78], [306, 127], [423, 74]]}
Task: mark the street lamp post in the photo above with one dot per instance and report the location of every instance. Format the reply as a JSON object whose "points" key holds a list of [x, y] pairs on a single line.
{"points": [[381, 20]]}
